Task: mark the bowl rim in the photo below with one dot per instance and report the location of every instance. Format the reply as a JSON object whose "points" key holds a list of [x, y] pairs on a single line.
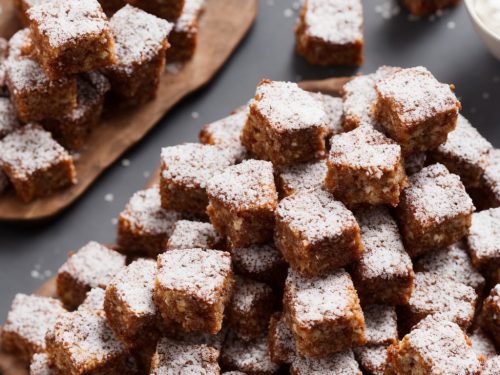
{"points": [[469, 4]]}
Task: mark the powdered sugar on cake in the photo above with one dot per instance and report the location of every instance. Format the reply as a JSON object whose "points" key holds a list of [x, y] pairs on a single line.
{"points": [[484, 234], [303, 177], [257, 259], [338, 363], [8, 119], [287, 107], [189, 15], [381, 326], [337, 21], [144, 211], [191, 234]]}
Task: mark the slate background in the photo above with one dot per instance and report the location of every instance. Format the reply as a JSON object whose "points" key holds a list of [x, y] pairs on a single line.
{"points": [[447, 45]]}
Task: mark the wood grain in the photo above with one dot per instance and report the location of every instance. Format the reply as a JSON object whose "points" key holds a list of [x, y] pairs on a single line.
{"points": [[223, 25], [9, 365]]}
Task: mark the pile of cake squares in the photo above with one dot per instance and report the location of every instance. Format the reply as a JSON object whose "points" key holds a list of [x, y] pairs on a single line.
{"points": [[57, 73], [305, 234]]}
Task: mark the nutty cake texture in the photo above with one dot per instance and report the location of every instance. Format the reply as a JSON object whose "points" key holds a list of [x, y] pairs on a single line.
{"points": [[323, 313], [316, 234], [285, 124], [364, 166], [193, 287], [415, 109], [330, 32], [434, 210], [243, 199]]}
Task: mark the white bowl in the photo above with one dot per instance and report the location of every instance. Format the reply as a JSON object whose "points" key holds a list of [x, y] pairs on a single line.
{"points": [[491, 40]]}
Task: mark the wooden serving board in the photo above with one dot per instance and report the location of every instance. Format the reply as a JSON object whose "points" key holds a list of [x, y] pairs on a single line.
{"points": [[10, 365], [223, 25]]}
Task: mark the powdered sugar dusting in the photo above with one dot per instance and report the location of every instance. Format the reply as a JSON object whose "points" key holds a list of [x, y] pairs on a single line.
{"points": [[29, 149], [288, 107], [202, 272], [139, 36], [310, 300], [94, 265], [20, 44], [134, 286], [94, 301], [435, 195], [492, 366], [372, 358], [443, 347], [303, 177], [484, 235], [87, 337], [40, 365], [491, 176], [250, 357], [337, 21], [193, 164], [451, 300], [384, 256], [315, 215], [249, 184], [246, 293], [358, 96], [8, 120], [452, 262], [179, 358], [189, 16], [282, 339], [381, 325], [333, 108], [64, 21], [365, 149], [338, 363], [481, 344], [417, 95], [257, 261], [31, 317], [192, 234], [145, 213]]}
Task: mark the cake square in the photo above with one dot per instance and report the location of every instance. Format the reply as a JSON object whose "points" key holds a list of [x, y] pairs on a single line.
{"points": [[489, 318], [381, 325], [372, 358], [243, 199], [338, 363], [141, 42], [364, 166], [191, 234], [82, 342], [301, 177], [94, 265], [434, 346], [415, 109], [261, 263], [250, 308], [35, 164], [425, 7], [185, 172], [280, 341], [178, 358], [129, 303], [384, 274], [323, 313], [454, 263], [248, 357], [167, 9], [316, 234], [21, 45], [144, 226], [8, 119], [285, 125], [449, 299], [71, 130], [359, 98], [334, 110], [464, 153], [184, 36], [226, 134], [490, 181], [71, 36], [331, 32], [34, 95], [29, 319], [434, 210], [193, 287], [483, 242]]}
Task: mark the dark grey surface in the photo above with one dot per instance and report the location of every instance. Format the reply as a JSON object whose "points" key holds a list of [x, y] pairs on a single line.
{"points": [[447, 45]]}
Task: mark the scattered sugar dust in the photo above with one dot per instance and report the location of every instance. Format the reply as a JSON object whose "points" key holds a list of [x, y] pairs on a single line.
{"points": [[109, 197]]}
